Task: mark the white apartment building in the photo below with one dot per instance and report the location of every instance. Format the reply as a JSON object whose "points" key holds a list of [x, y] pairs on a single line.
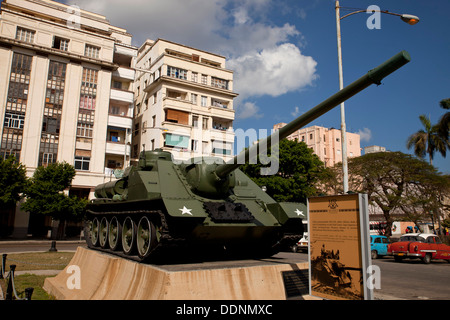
{"points": [[326, 143], [66, 90], [183, 101]]}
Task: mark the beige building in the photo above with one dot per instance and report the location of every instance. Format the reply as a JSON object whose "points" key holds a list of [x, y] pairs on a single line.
{"points": [[183, 101], [66, 91], [326, 143], [74, 89]]}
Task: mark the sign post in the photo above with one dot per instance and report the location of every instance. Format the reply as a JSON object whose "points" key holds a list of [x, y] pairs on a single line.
{"points": [[339, 252]]}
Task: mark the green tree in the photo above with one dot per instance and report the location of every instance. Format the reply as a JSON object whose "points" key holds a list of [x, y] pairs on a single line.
{"points": [[444, 122], [397, 183], [45, 194], [13, 179], [299, 170], [427, 140]]}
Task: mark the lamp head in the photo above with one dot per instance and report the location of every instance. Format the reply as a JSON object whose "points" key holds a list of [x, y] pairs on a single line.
{"points": [[409, 19]]}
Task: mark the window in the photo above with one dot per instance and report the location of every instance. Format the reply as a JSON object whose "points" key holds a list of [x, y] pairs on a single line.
{"points": [[204, 79], [114, 136], [48, 151], [221, 147], [117, 84], [194, 98], [176, 116], [204, 101], [194, 77], [26, 35], [310, 136], [219, 83], [60, 43], [114, 110], [195, 121], [205, 123], [205, 147], [51, 125], [174, 140], [14, 120], [47, 158], [194, 145], [92, 51], [16, 105], [85, 130], [177, 73], [218, 103], [82, 163]]}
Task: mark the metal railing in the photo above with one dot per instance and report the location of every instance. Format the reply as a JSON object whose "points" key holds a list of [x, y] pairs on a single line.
{"points": [[11, 293]]}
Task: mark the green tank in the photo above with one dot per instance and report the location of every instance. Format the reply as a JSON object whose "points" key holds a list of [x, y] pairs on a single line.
{"points": [[205, 203]]}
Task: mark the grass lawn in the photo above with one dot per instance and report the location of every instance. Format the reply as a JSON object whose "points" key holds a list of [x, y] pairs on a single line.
{"points": [[35, 261]]}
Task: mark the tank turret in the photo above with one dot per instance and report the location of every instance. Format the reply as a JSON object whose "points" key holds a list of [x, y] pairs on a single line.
{"points": [[205, 202]]}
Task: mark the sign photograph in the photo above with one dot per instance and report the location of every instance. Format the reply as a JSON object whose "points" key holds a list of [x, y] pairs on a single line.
{"points": [[339, 247]]}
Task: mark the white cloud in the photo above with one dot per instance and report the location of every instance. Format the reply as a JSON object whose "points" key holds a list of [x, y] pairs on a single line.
{"points": [[365, 134], [248, 110], [296, 112], [273, 71], [261, 53]]}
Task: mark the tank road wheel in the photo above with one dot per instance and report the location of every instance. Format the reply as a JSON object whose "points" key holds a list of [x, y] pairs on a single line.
{"points": [[103, 233], [128, 236], [145, 238], [114, 233], [93, 231]]}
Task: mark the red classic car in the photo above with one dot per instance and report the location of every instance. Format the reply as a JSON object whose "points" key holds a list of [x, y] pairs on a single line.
{"points": [[425, 246]]}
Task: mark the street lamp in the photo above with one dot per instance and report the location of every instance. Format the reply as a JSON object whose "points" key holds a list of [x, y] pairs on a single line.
{"points": [[408, 18]]}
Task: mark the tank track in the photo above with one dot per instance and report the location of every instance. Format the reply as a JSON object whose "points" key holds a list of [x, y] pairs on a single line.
{"points": [[167, 243], [165, 240]]}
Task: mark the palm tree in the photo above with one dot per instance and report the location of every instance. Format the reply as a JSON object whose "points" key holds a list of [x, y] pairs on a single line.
{"points": [[444, 122], [427, 141]]}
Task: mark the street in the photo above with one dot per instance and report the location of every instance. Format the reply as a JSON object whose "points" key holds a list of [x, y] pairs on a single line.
{"points": [[411, 279]]}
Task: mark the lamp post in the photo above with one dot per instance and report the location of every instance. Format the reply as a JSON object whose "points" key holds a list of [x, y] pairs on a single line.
{"points": [[410, 19]]}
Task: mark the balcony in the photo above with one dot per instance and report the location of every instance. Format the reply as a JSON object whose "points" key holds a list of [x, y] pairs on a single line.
{"points": [[117, 148], [124, 73], [125, 50], [118, 121], [121, 95]]}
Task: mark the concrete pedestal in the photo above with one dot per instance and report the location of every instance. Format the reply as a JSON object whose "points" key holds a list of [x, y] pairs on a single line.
{"points": [[93, 275]]}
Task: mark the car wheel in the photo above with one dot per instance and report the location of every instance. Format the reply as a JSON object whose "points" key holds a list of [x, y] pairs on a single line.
{"points": [[427, 258], [374, 254], [294, 248]]}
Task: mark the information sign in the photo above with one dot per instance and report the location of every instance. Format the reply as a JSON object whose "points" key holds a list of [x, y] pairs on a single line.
{"points": [[339, 252]]}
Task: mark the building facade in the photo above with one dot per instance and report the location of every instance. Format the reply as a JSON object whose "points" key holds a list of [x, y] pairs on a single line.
{"points": [[73, 88], [374, 149], [326, 143], [66, 90], [183, 101]]}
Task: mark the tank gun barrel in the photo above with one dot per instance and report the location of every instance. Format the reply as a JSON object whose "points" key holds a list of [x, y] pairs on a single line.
{"points": [[374, 76]]}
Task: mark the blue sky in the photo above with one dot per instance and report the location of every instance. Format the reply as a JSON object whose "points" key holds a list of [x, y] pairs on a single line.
{"points": [[284, 55]]}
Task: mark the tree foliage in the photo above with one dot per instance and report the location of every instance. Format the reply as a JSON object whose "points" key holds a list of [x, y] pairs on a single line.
{"points": [[397, 183], [13, 180], [45, 194], [432, 138], [299, 170]]}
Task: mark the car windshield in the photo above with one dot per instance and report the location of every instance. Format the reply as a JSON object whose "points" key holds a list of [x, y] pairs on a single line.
{"points": [[412, 238]]}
